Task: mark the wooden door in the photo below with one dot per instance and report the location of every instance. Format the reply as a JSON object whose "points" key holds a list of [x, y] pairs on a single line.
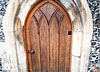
{"points": [[48, 33]]}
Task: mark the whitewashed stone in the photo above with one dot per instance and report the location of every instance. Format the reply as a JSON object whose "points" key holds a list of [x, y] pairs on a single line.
{"points": [[5, 57], [85, 52], [11, 51], [9, 55], [31, 2], [76, 43], [23, 13], [87, 18], [87, 36], [8, 20], [21, 56], [75, 64], [9, 38]]}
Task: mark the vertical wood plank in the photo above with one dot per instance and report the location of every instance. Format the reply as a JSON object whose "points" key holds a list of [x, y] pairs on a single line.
{"points": [[27, 44], [34, 42], [44, 45], [68, 53], [63, 47], [54, 45]]}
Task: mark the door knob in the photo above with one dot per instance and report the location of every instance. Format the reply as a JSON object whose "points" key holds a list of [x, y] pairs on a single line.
{"points": [[32, 51]]}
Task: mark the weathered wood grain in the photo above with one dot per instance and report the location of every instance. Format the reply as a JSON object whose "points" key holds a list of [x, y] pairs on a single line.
{"points": [[34, 45], [48, 28], [54, 45], [63, 47], [44, 46]]}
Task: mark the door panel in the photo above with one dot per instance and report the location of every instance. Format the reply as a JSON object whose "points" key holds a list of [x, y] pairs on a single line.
{"points": [[34, 45], [48, 10], [48, 45], [44, 45], [54, 45], [63, 60]]}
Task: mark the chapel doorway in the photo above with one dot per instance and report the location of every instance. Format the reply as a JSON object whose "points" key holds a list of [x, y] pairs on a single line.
{"points": [[48, 38]]}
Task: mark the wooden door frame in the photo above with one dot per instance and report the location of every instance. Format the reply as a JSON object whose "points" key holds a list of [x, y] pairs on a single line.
{"points": [[33, 9]]}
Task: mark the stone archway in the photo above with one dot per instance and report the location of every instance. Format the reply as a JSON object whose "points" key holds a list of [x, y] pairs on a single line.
{"points": [[14, 20]]}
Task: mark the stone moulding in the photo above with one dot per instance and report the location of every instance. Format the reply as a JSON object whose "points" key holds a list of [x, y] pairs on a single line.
{"points": [[14, 21]]}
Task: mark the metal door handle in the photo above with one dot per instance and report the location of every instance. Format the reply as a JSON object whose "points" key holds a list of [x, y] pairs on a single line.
{"points": [[32, 51]]}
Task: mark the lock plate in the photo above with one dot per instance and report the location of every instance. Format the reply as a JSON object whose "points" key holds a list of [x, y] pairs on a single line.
{"points": [[69, 32]]}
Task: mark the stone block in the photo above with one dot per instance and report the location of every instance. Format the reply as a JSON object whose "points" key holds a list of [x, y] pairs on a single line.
{"points": [[75, 64], [76, 43]]}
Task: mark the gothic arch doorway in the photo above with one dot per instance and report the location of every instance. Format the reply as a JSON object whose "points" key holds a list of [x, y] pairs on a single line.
{"points": [[48, 37]]}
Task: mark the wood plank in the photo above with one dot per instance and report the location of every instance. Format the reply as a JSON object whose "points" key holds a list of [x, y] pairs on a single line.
{"points": [[63, 47], [34, 42], [54, 45], [27, 45], [69, 52], [44, 45]]}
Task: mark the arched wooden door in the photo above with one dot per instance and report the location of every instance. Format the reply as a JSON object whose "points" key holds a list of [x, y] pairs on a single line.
{"points": [[48, 33]]}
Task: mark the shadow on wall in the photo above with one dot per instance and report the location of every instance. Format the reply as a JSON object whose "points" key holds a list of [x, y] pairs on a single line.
{"points": [[19, 31]]}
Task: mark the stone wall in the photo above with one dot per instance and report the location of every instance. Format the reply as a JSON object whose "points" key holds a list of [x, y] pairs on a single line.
{"points": [[94, 59], [10, 44], [3, 5]]}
